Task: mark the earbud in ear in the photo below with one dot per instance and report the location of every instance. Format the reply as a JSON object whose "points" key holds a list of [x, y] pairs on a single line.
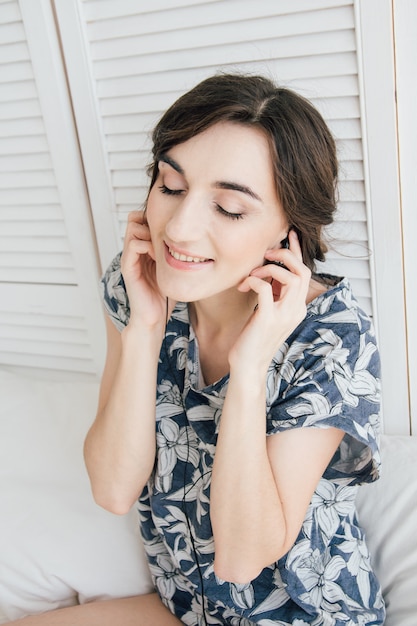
{"points": [[285, 243]]}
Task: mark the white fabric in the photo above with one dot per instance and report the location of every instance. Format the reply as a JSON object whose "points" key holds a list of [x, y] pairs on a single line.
{"points": [[58, 548], [388, 511]]}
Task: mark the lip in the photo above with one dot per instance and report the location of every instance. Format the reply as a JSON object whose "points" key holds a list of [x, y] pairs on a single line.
{"points": [[184, 265]]}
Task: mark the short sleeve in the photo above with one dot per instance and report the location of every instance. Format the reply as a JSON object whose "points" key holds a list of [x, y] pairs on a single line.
{"points": [[329, 376], [115, 298]]}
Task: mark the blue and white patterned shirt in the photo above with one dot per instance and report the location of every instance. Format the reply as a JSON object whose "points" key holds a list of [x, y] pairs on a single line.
{"points": [[325, 375]]}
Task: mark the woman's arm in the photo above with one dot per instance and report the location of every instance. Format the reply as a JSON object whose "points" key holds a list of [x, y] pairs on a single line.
{"points": [[261, 486], [120, 446]]}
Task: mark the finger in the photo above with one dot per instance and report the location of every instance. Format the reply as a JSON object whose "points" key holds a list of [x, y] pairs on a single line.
{"points": [[136, 231], [133, 253], [285, 259], [138, 247], [260, 287], [292, 273], [294, 243], [136, 216]]}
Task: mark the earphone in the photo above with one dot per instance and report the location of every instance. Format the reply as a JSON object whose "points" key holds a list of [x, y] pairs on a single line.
{"points": [[284, 244]]}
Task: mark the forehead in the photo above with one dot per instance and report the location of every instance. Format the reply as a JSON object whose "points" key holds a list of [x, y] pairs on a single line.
{"points": [[226, 148]]}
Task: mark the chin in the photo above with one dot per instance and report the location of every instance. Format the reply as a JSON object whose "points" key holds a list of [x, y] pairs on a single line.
{"points": [[179, 290]]}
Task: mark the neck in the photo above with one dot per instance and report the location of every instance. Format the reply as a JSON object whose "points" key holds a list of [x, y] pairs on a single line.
{"points": [[217, 322], [221, 313]]}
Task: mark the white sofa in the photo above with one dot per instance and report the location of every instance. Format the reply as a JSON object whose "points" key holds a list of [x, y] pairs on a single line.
{"points": [[57, 548]]}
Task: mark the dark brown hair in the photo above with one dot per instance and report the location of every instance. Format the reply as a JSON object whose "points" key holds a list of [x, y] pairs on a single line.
{"points": [[302, 148]]}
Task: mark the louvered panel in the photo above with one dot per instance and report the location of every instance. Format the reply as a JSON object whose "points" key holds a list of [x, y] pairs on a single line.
{"points": [[25, 162], [45, 347], [36, 244], [33, 244], [117, 43], [21, 91], [19, 109], [27, 179], [349, 149], [105, 9], [33, 228], [352, 170], [56, 363], [346, 129], [11, 31], [30, 179], [22, 127], [21, 145], [22, 260], [44, 328], [41, 267], [212, 57], [351, 190], [306, 19], [14, 52], [36, 322], [15, 72], [348, 211], [34, 196], [43, 313], [9, 12]]}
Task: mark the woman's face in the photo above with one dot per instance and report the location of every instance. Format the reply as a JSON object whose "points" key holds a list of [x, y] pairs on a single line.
{"points": [[213, 212]]}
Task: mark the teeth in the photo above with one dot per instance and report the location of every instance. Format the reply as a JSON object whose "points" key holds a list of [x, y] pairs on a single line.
{"points": [[184, 257]]}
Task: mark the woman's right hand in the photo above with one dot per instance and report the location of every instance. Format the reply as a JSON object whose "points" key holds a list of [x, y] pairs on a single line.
{"points": [[147, 304]]}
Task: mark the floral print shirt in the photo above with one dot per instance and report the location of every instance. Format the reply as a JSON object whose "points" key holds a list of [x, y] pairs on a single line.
{"points": [[325, 374]]}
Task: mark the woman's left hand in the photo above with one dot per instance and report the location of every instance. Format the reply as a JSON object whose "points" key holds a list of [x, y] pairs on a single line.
{"points": [[282, 294]]}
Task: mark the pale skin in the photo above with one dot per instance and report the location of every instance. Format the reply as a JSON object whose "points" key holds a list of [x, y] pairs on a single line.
{"points": [[212, 219]]}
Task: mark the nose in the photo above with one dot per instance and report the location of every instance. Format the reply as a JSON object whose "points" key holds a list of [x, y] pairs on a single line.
{"points": [[188, 220]]}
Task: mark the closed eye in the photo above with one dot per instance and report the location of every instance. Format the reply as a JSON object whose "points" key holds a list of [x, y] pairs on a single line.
{"points": [[176, 192], [232, 216], [170, 192]]}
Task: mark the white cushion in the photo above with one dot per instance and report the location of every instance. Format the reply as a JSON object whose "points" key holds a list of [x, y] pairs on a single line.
{"points": [[388, 512], [57, 547]]}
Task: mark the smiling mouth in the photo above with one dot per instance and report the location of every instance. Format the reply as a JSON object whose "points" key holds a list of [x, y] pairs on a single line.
{"points": [[188, 259]]}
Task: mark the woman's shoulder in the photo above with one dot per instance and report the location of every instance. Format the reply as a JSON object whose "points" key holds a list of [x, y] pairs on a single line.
{"points": [[334, 347], [334, 321], [336, 302]]}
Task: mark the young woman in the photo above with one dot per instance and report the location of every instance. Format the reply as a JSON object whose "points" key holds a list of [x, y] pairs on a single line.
{"points": [[240, 397]]}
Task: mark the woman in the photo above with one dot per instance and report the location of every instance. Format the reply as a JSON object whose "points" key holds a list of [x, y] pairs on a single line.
{"points": [[266, 376]]}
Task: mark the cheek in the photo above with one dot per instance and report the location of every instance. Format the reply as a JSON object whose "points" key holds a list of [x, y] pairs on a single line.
{"points": [[152, 212], [245, 253]]}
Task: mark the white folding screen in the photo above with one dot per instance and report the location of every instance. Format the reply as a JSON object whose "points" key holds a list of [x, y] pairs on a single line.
{"points": [[405, 21], [49, 305], [376, 54], [82, 84]]}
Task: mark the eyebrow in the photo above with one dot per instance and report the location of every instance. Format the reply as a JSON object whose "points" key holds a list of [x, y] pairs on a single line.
{"points": [[176, 166], [228, 185], [237, 187]]}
